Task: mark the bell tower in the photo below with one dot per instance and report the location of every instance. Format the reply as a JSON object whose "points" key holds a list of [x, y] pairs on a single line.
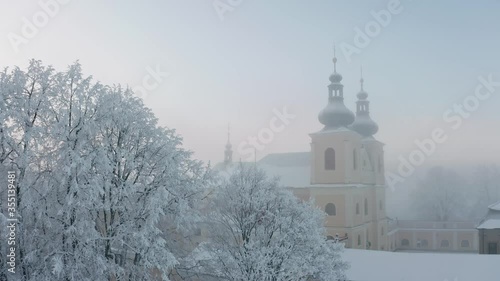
{"points": [[333, 147], [347, 170], [372, 153]]}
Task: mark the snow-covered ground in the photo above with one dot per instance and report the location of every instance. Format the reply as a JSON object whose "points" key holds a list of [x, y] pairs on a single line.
{"points": [[397, 266]]}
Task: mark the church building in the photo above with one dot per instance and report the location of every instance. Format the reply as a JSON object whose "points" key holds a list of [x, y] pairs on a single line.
{"points": [[347, 170], [344, 174]]}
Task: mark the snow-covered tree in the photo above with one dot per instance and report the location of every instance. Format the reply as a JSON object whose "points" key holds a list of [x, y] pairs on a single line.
{"points": [[96, 176], [24, 113], [258, 231]]}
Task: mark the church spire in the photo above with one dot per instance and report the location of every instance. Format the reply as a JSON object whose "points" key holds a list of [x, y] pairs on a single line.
{"points": [[362, 81], [334, 60], [363, 124], [228, 153], [335, 114]]}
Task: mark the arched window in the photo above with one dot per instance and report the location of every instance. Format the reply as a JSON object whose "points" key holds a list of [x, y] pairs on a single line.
{"points": [[366, 207], [445, 243], [197, 231], [424, 243], [357, 208], [330, 209], [465, 244], [405, 243], [380, 164], [330, 159], [354, 159]]}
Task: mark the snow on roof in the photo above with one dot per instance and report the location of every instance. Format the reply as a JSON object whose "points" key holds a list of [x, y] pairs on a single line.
{"points": [[490, 224], [297, 176], [398, 266], [293, 168], [495, 206], [492, 219], [334, 130]]}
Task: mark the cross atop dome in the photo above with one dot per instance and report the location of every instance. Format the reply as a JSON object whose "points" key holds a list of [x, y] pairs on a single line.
{"points": [[363, 124], [335, 114]]}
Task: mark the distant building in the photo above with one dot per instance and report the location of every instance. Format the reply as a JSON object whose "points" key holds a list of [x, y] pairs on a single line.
{"points": [[489, 231], [430, 236], [344, 174]]}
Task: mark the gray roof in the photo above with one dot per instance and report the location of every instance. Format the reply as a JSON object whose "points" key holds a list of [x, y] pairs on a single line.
{"points": [[293, 176], [293, 169]]}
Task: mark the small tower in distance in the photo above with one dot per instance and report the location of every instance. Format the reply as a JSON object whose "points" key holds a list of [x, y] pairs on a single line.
{"points": [[228, 152]]}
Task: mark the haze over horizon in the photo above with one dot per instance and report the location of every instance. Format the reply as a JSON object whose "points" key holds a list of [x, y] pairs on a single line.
{"points": [[261, 56]]}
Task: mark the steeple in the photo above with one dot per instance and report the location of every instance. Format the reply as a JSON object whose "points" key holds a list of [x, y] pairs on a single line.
{"points": [[363, 124], [228, 153], [335, 114]]}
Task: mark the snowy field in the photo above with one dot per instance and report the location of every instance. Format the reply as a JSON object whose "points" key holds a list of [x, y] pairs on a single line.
{"points": [[395, 266]]}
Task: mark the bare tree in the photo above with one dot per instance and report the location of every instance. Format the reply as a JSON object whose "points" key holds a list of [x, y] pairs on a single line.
{"points": [[440, 195], [484, 189]]}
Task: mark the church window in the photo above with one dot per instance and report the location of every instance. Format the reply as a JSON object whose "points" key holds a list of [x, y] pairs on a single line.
{"points": [[197, 232], [357, 208], [354, 159], [424, 243], [366, 207], [330, 209], [380, 165], [330, 159], [445, 243]]}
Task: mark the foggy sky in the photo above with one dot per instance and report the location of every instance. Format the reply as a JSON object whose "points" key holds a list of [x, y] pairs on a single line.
{"points": [[264, 56]]}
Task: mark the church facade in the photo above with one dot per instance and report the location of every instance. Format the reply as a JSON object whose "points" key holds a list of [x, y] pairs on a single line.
{"points": [[344, 174], [347, 171]]}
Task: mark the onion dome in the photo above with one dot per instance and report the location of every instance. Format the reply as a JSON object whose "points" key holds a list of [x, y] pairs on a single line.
{"points": [[363, 124], [335, 114]]}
